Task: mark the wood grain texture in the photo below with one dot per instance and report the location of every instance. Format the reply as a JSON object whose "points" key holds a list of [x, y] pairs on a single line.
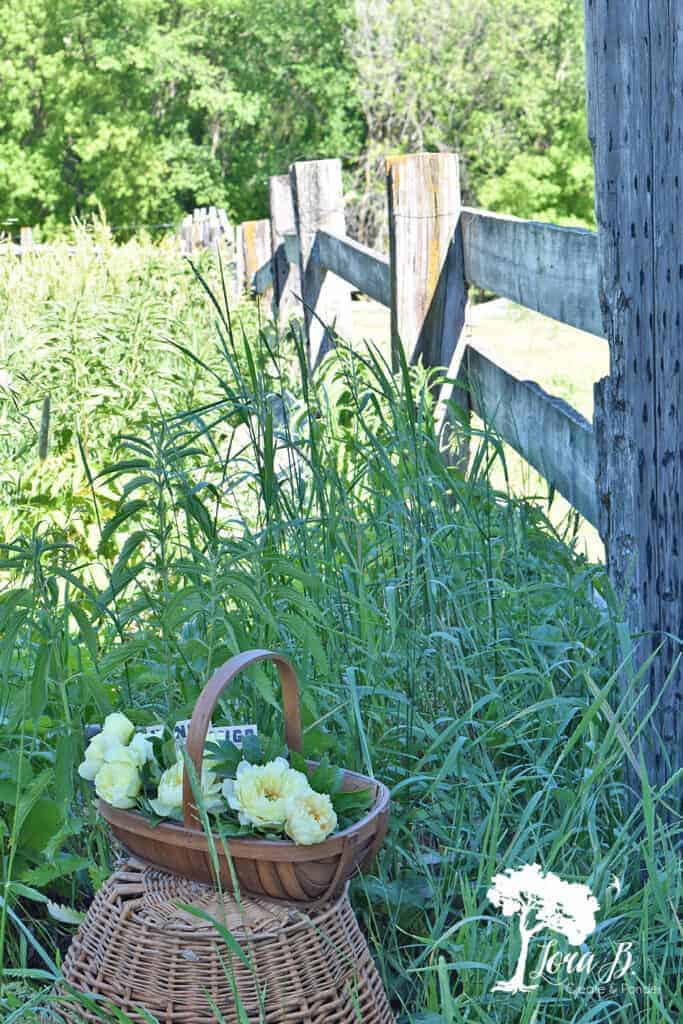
{"points": [[319, 205], [319, 871], [550, 269], [256, 253], [286, 275], [360, 266], [635, 105], [428, 290], [552, 436], [240, 283]]}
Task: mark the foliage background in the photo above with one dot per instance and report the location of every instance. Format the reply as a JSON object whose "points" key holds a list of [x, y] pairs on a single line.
{"points": [[146, 109]]}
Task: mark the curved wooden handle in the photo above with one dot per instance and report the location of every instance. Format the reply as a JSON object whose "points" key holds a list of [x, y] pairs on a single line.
{"points": [[208, 698]]}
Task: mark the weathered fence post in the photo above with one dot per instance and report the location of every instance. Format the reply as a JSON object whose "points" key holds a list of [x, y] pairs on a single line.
{"points": [[428, 287], [319, 204], [26, 240], [286, 276], [196, 231], [240, 278], [186, 235], [255, 236], [634, 71]]}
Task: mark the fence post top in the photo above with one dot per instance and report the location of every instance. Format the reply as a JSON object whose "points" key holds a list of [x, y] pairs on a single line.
{"points": [[404, 158], [311, 163]]}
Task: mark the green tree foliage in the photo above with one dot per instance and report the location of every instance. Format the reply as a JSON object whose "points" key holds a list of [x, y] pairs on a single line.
{"points": [[146, 108], [499, 81]]}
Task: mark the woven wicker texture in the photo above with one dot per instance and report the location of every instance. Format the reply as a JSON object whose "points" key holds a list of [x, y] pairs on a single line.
{"points": [[138, 948]]}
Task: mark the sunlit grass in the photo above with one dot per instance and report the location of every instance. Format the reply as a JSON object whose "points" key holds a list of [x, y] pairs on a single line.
{"points": [[446, 636]]}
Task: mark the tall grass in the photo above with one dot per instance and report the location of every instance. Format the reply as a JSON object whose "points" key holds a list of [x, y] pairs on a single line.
{"points": [[447, 640]]}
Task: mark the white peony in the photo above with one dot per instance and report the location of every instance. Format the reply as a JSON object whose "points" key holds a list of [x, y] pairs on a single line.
{"points": [[94, 757], [141, 749], [117, 728], [118, 780], [169, 800], [116, 732], [310, 818], [261, 793]]}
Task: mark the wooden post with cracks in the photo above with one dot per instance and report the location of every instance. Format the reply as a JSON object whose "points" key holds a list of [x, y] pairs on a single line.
{"points": [[635, 112]]}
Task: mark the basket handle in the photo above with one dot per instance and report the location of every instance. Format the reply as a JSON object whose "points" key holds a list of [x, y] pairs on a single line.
{"points": [[207, 701]]}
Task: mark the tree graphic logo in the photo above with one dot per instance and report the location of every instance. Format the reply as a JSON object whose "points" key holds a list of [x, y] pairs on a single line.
{"points": [[542, 900]]}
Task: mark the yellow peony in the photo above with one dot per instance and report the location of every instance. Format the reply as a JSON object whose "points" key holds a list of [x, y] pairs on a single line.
{"points": [[141, 749], [169, 799], [117, 730], [262, 793], [118, 780], [94, 757], [310, 819]]}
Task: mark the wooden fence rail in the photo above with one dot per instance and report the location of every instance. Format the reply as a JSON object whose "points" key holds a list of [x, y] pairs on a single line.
{"points": [[549, 269]]}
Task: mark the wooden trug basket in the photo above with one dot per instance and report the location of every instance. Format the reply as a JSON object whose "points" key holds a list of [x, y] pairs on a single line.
{"points": [[277, 869], [140, 951]]}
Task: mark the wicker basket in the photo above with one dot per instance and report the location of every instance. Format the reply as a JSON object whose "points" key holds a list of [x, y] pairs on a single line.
{"points": [[138, 948], [278, 869]]}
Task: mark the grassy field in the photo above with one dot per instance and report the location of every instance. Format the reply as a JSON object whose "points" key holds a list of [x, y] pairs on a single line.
{"points": [[200, 495], [564, 361]]}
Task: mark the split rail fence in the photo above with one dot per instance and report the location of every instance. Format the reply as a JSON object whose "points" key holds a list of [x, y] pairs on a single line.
{"points": [[301, 261], [438, 248]]}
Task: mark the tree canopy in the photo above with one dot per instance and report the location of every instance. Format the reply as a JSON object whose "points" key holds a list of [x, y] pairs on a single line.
{"points": [[146, 108]]}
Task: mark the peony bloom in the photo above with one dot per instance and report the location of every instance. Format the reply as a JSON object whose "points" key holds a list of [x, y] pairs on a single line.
{"points": [[117, 728], [261, 793], [310, 819], [169, 800], [94, 757], [118, 780], [141, 749], [116, 732]]}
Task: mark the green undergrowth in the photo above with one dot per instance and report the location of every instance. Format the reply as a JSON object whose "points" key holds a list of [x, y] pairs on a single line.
{"points": [[447, 638]]}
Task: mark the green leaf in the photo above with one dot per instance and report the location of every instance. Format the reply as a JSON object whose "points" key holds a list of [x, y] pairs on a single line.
{"points": [[40, 824], [252, 749], [224, 755], [65, 757], [326, 778], [86, 629], [169, 753], [65, 915], [298, 761], [39, 681], [354, 804], [45, 874], [26, 891], [128, 509], [315, 742]]}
